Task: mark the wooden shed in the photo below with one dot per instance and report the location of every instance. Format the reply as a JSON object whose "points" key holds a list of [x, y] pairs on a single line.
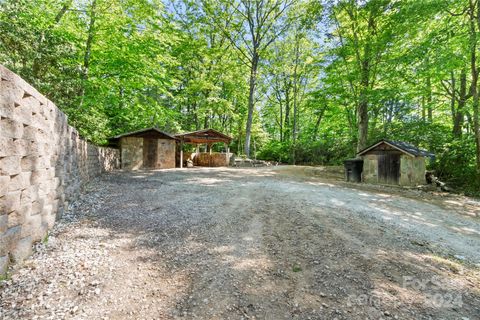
{"points": [[394, 162], [146, 149]]}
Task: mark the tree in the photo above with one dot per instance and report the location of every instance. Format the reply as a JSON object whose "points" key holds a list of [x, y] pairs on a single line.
{"points": [[251, 27]]}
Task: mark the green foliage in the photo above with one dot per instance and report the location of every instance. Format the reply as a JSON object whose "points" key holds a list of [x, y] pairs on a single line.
{"points": [[296, 269], [275, 151], [455, 164], [114, 66], [45, 238]]}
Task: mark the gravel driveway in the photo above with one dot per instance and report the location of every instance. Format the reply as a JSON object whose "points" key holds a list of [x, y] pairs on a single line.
{"points": [[259, 243]]}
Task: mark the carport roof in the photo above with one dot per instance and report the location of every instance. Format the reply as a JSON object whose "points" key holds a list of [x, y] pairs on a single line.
{"points": [[203, 136]]}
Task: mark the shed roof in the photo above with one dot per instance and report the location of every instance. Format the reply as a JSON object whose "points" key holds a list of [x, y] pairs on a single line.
{"points": [[204, 136], [154, 131], [401, 146]]}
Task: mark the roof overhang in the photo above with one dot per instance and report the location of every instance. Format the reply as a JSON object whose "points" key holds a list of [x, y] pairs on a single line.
{"points": [[398, 146], [143, 132], [207, 136]]}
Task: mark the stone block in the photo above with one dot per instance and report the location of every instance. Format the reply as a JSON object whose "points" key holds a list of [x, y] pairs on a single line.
{"points": [[34, 227], [55, 205], [43, 149], [23, 111], [10, 128], [30, 133], [11, 92], [7, 109], [9, 239], [19, 181], [21, 147], [29, 195], [6, 145], [37, 206], [45, 188], [4, 181], [38, 176], [3, 265], [47, 210], [3, 223], [10, 165], [10, 202], [49, 219], [32, 163], [22, 250], [17, 217]]}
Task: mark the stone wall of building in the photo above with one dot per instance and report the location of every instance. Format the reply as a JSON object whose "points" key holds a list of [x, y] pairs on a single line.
{"points": [[412, 171], [43, 165], [166, 154], [370, 168], [132, 153]]}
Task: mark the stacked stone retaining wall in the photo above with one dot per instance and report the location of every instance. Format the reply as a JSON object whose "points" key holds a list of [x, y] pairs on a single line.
{"points": [[43, 165]]}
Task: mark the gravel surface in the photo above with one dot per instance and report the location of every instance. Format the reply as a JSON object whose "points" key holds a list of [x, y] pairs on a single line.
{"points": [[257, 243]]}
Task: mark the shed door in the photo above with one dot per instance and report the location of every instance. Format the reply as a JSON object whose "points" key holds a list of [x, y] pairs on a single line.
{"points": [[388, 168], [149, 153]]}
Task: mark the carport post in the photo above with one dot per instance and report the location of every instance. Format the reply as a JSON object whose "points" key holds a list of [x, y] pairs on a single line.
{"points": [[181, 153], [227, 151]]}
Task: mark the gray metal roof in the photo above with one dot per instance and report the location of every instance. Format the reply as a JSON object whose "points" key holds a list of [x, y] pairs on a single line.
{"points": [[142, 131], [401, 146]]}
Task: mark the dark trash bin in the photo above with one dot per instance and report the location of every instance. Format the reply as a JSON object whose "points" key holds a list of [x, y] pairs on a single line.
{"points": [[353, 170]]}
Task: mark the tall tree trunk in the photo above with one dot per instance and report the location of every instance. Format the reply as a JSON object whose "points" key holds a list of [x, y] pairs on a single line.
{"points": [[251, 101], [474, 25], [295, 101], [287, 85], [281, 122], [462, 98], [362, 107]]}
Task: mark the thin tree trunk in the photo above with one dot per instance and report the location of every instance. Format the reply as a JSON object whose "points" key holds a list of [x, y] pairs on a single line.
{"points": [[287, 86], [317, 124], [251, 101], [295, 102], [281, 122], [429, 99]]}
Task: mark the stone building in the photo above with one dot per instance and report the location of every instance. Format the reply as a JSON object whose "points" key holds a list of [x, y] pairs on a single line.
{"points": [[394, 162], [145, 149]]}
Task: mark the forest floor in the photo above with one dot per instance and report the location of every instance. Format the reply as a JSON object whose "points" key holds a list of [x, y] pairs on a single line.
{"points": [[257, 243]]}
